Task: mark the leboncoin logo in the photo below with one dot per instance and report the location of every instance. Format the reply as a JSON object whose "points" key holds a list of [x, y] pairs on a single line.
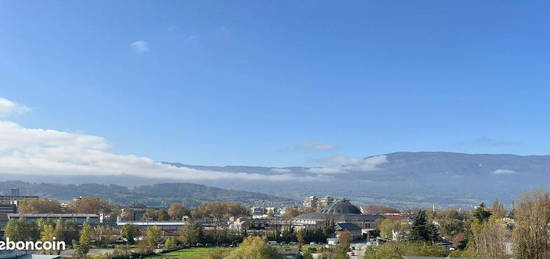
{"points": [[32, 245]]}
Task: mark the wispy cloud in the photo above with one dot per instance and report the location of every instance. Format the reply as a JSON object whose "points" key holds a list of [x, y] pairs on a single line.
{"points": [[8, 108], [140, 46], [504, 172], [312, 146], [281, 170], [344, 164]]}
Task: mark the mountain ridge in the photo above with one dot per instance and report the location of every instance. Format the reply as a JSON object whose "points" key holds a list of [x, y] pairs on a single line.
{"points": [[399, 179]]}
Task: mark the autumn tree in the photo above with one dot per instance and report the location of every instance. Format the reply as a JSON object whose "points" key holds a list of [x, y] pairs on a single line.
{"points": [[452, 224], [344, 241], [378, 209], [90, 205], [531, 233], [177, 211], [488, 238], [498, 210], [220, 212], [40, 206], [291, 213], [127, 214]]}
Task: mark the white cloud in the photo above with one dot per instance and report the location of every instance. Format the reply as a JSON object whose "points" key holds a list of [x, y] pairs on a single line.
{"points": [[52, 152], [312, 146], [281, 170], [343, 164], [140, 46], [504, 171], [8, 108]]}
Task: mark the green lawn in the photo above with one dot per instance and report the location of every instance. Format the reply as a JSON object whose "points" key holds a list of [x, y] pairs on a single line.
{"points": [[197, 252], [187, 253]]}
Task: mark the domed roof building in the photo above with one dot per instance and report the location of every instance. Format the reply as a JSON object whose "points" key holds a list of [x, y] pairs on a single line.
{"points": [[341, 207], [341, 211]]}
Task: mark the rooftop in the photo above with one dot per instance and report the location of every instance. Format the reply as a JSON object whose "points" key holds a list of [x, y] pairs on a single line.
{"points": [[341, 207]]}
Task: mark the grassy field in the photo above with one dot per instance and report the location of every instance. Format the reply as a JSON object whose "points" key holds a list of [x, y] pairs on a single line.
{"points": [[187, 253], [197, 252]]}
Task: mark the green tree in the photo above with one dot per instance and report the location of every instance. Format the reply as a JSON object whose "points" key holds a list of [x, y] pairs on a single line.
{"points": [[85, 241], [70, 232], [307, 255], [170, 242], [254, 247], [153, 236], [191, 233], [58, 231], [329, 228], [20, 230], [422, 230], [129, 232], [103, 235], [48, 234], [300, 238], [389, 226], [150, 214], [481, 213], [162, 215]]}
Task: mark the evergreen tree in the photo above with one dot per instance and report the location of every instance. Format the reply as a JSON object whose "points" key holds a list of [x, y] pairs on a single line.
{"points": [[481, 214], [422, 230]]}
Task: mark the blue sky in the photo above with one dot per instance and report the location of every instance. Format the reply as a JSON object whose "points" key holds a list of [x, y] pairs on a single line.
{"points": [[281, 83]]}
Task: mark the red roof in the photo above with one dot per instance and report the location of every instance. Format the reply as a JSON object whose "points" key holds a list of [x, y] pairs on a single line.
{"points": [[396, 217]]}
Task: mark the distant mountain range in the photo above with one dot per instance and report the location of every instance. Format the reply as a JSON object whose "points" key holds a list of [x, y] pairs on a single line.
{"points": [[410, 179], [155, 195], [403, 179]]}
